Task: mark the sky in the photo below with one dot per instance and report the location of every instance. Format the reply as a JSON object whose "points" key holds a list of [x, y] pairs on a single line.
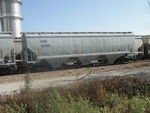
{"points": [[86, 16]]}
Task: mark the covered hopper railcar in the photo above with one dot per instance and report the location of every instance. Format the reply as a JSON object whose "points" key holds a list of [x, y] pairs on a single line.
{"points": [[65, 49], [7, 52], [142, 46], [146, 46]]}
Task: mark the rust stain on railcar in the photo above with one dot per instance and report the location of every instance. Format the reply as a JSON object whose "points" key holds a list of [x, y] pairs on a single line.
{"points": [[1, 54]]}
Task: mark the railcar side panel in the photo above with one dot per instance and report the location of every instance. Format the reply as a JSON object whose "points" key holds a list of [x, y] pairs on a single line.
{"points": [[59, 49]]}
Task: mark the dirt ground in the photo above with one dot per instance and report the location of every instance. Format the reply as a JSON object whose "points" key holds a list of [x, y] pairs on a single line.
{"points": [[72, 72], [12, 84]]}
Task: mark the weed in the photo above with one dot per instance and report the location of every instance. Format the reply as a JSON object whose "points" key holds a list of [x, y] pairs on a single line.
{"points": [[116, 95]]}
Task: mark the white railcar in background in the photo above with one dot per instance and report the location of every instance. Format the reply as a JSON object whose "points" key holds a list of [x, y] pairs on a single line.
{"points": [[7, 52], [142, 46]]}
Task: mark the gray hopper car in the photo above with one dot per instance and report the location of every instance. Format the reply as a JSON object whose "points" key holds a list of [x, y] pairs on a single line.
{"points": [[65, 49], [146, 46], [7, 52], [142, 46]]}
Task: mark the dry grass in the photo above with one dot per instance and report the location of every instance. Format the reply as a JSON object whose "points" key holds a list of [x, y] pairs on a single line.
{"points": [[138, 65]]}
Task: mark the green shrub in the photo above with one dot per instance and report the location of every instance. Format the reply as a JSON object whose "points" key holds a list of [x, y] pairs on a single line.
{"points": [[138, 105], [14, 108]]}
